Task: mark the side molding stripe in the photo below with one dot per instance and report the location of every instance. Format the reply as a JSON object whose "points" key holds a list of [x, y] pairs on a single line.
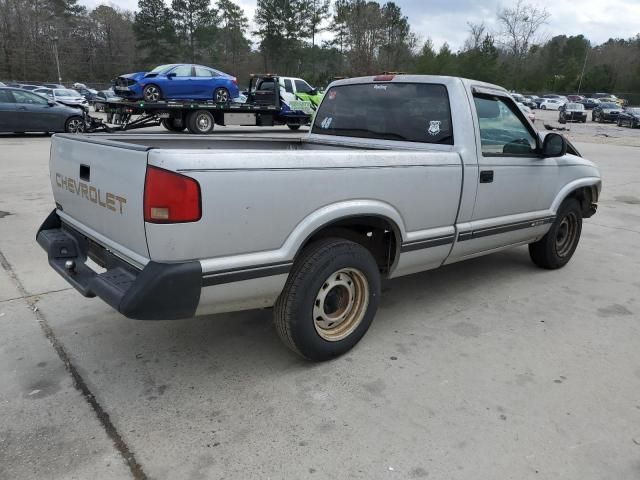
{"points": [[245, 273], [498, 229], [431, 242]]}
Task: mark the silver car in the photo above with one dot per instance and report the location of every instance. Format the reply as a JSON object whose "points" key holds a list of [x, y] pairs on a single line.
{"points": [[65, 96]]}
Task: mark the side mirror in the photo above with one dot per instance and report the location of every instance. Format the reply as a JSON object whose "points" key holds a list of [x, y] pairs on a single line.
{"points": [[554, 145], [171, 75], [313, 92]]}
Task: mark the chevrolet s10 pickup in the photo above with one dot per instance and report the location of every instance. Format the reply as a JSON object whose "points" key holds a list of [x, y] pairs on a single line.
{"points": [[398, 174]]}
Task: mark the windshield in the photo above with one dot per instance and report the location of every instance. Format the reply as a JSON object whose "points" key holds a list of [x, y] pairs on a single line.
{"points": [[412, 112], [575, 106], [609, 105], [635, 111], [66, 93], [162, 68]]}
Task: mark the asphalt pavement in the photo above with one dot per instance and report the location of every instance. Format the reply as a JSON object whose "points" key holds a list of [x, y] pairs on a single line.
{"points": [[486, 369]]}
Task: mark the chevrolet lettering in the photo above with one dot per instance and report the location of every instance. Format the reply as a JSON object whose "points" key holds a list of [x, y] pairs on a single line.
{"points": [[398, 174]]}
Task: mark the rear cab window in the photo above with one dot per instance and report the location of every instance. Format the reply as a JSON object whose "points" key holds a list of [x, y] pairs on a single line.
{"points": [[410, 112]]}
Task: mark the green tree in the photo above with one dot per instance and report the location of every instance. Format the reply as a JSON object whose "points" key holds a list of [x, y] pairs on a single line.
{"points": [[233, 44], [154, 32], [195, 23]]}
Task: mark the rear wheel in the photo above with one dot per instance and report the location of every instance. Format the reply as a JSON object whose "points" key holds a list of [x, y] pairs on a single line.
{"points": [[556, 248], [200, 122], [221, 95], [173, 124], [329, 300], [543, 107], [619, 122], [151, 93], [74, 125]]}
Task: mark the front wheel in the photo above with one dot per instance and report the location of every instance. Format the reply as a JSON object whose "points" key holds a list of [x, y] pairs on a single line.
{"points": [[74, 125], [556, 248], [221, 95], [329, 300], [151, 93]]}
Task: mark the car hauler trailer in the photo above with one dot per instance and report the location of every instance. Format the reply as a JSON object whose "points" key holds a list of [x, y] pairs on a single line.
{"points": [[263, 107]]}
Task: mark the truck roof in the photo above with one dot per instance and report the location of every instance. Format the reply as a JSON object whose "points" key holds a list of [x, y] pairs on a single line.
{"points": [[419, 79]]}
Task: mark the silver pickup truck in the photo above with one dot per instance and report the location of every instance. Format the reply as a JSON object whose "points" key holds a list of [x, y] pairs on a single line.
{"points": [[399, 174]]}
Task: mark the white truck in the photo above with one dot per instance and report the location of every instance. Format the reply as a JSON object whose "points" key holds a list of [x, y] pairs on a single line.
{"points": [[398, 174]]}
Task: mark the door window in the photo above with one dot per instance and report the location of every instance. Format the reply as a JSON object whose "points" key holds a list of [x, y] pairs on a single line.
{"points": [[28, 98], [302, 86], [288, 86], [502, 130], [182, 71], [5, 96], [203, 72]]}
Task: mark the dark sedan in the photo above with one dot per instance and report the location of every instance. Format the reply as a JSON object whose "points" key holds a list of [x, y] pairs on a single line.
{"points": [[606, 112], [589, 103], [101, 98], [630, 117], [572, 112], [22, 111]]}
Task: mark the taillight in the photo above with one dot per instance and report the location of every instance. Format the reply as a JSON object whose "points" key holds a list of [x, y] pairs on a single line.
{"points": [[383, 78], [234, 80], [170, 197]]}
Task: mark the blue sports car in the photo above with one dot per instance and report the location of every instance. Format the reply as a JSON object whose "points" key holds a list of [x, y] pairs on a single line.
{"points": [[178, 82]]}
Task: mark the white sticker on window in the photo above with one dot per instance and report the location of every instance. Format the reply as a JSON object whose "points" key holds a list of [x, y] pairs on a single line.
{"points": [[434, 127], [326, 123]]}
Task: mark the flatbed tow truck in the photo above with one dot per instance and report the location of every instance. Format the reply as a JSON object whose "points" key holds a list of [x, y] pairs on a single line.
{"points": [[264, 107]]}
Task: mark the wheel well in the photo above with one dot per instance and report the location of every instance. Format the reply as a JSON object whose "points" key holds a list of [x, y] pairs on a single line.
{"points": [[586, 197], [379, 235]]}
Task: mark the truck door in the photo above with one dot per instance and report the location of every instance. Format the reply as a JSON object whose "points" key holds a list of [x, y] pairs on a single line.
{"points": [[516, 185]]}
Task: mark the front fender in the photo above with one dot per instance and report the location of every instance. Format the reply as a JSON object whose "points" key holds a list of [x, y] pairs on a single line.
{"points": [[574, 185]]}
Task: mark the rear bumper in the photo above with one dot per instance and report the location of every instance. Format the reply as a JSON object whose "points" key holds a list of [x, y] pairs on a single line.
{"points": [[160, 291]]}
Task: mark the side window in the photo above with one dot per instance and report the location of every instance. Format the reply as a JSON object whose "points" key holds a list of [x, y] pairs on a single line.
{"points": [[501, 130], [5, 96], [28, 98], [302, 86], [288, 86], [182, 71], [203, 72]]}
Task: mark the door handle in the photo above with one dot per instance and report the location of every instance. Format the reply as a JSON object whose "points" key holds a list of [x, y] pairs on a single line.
{"points": [[486, 176], [22, 108]]}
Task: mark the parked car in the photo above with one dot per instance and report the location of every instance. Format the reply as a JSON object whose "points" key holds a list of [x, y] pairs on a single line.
{"points": [[589, 103], [532, 101], [102, 97], [23, 111], [609, 98], [380, 188], [87, 93], [572, 112], [528, 112], [606, 112], [523, 100], [629, 117], [2, 84], [53, 85], [575, 98], [66, 96], [551, 104], [30, 88], [178, 81]]}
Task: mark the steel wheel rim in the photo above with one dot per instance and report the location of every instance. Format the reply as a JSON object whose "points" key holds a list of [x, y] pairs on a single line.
{"points": [[152, 94], [76, 126], [566, 234], [341, 304], [203, 122], [222, 96]]}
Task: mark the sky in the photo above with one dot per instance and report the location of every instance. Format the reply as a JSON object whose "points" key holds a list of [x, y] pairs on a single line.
{"points": [[446, 20]]}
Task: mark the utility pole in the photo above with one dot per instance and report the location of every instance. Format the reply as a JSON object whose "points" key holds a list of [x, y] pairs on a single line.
{"points": [[584, 65], [55, 52]]}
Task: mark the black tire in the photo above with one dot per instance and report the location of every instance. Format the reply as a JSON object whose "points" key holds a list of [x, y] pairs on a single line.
{"points": [[221, 95], [619, 122], [173, 125], [599, 119], [200, 122], [151, 93], [321, 263], [293, 126], [556, 248], [543, 107], [74, 124], [562, 120]]}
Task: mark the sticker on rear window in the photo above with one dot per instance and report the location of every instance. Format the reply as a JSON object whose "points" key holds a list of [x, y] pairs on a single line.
{"points": [[379, 87], [434, 127], [326, 123], [332, 94]]}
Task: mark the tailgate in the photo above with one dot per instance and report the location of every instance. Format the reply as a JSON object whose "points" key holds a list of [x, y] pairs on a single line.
{"points": [[98, 186]]}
